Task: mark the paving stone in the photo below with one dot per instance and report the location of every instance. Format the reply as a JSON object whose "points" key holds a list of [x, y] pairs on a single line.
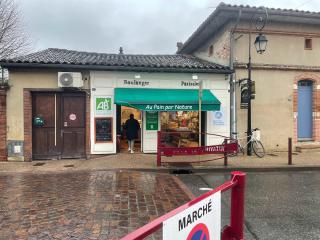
{"points": [[84, 204]]}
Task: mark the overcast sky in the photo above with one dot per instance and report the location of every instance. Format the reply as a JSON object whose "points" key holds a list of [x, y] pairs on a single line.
{"points": [[139, 26]]}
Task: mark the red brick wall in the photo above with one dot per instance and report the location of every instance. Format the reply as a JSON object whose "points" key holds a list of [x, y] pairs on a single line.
{"points": [[3, 125], [27, 113]]}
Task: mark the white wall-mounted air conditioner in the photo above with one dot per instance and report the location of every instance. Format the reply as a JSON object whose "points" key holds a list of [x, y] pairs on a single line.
{"points": [[70, 79]]}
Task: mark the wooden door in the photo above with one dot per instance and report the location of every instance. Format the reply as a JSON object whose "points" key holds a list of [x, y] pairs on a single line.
{"points": [[46, 140], [73, 125], [62, 134]]}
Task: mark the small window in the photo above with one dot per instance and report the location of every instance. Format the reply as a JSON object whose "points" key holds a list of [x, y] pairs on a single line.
{"points": [[210, 50], [305, 83], [308, 43]]}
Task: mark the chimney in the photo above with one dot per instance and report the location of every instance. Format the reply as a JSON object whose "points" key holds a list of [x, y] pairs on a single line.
{"points": [[179, 46], [120, 50]]}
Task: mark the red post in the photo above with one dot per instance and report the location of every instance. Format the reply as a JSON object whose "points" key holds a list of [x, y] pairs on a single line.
{"points": [[235, 230], [158, 148], [289, 151], [225, 152]]}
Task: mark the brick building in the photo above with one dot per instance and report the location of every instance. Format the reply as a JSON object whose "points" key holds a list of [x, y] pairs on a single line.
{"points": [[286, 75]]}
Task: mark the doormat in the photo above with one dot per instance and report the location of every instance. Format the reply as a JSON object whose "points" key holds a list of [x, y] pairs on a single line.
{"points": [[181, 171], [71, 165], [39, 164], [180, 168]]}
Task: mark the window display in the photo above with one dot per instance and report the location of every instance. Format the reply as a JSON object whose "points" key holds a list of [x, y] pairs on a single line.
{"points": [[185, 124]]}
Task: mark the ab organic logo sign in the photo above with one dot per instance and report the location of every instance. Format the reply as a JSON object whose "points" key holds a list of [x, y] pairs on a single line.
{"points": [[103, 105]]}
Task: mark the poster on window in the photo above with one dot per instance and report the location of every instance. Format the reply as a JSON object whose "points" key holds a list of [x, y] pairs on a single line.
{"points": [[219, 117], [152, 121]]}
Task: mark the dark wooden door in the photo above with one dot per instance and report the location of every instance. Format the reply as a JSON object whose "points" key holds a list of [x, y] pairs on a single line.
{"points": [[46, 141], [62, 134], [73, 125]]}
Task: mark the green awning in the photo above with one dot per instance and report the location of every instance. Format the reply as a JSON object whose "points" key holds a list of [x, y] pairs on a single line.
{"points": [[166, 99]]}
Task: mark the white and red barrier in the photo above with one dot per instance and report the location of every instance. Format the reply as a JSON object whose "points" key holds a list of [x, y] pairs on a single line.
{"points": [[228, 147], [201, 217]]}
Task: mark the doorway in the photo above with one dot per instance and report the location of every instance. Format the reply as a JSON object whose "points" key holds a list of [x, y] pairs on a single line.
{"points": [[123, 114], [58, 125], [305, 124]]}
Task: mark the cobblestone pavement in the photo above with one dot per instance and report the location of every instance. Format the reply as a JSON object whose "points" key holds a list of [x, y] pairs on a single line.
{"points": [[84, 204]]}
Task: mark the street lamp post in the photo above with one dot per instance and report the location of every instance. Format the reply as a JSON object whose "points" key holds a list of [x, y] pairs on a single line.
{"points": [[200, 109], [260, 45]]}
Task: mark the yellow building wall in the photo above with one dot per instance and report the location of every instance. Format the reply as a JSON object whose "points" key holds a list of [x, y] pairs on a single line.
{"points": [[27, 79], [272, 108], [20, 80]]}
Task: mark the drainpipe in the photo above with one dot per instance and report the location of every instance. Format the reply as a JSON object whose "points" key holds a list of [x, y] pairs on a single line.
{"points": [[233, 97]]}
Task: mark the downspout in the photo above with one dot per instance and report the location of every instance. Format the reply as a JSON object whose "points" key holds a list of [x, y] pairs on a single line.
{"points": [[233, 97]]}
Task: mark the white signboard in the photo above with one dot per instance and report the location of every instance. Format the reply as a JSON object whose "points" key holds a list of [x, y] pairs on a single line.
{"points": [[200, 221], [218, 117]]}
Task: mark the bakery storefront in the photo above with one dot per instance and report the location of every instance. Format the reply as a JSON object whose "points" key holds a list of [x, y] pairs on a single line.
{"points": [[69, 104], [159, 101]]}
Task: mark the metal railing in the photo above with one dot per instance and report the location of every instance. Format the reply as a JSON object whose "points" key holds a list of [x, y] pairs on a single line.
{"points": [[229, 146], [234, 231]]}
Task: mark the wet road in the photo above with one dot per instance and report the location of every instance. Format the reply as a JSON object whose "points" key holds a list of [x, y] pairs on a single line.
{"points": [[84, 205], [279, 205]]}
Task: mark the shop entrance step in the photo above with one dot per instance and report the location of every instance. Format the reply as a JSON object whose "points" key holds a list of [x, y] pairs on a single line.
{"points": [[314, 147]]}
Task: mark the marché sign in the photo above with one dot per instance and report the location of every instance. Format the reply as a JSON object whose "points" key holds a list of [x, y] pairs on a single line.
{"points": [[200, 221]]}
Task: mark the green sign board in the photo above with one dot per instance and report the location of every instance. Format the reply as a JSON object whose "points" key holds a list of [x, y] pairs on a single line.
{"points": [[103, 105], [152, 121]]}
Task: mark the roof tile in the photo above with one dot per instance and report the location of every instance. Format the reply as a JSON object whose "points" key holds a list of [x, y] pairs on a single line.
{"points": [[71, 57]]}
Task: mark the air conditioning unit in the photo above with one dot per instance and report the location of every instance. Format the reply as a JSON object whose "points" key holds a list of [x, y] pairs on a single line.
{"points": [[70, 79]]}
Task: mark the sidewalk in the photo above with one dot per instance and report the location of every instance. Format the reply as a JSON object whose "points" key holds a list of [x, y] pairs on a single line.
{"points": [[272, 161]]}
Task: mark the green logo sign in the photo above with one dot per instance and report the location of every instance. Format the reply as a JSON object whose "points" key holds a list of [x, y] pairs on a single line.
{"points": [[103, 104]]}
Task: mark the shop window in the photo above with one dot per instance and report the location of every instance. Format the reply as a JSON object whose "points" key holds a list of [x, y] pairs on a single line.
{"points": [[305, 83], [210, 50], [183, 126], [308, 43]]}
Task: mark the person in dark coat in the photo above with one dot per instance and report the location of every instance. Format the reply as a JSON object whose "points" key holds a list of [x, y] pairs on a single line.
{"points": [[132, 127]]}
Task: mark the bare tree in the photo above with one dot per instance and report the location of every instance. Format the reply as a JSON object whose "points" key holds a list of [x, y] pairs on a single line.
{"points": [[13, 39]]}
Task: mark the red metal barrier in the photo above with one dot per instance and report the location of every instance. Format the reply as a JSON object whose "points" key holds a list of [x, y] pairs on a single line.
{"points": [[225, 149], [232, 232]]}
